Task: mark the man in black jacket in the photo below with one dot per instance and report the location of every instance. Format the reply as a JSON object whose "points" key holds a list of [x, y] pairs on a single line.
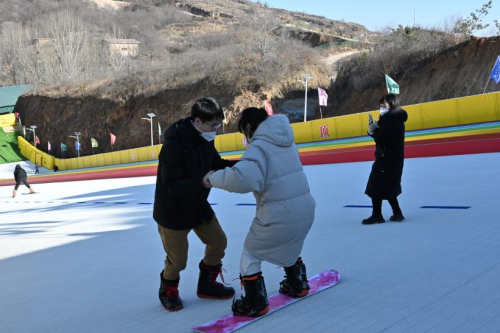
{"points": [[20, 176], [187, 158]]}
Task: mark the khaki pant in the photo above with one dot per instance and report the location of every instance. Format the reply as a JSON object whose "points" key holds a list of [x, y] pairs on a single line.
{"points": [[175, 243]]}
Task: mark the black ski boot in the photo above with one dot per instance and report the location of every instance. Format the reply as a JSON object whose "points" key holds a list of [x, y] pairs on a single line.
{"points": [[255, 302], [169, 294], [373, 220], [295, 282], [208, 287]]}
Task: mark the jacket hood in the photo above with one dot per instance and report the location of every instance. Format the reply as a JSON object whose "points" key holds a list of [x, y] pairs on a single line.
{"points": [[275, 129], [170, 132], [181, 129], [398, 113]]}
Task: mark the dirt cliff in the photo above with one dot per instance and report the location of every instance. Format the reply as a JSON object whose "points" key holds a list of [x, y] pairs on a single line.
{"points": [[460, 71]]}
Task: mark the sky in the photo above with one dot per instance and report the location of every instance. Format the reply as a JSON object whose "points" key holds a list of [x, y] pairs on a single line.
{"points": [[376, 15]]}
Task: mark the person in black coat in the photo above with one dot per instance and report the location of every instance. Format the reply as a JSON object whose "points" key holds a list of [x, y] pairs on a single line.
{"points": [[20, 176], [187, 158], [384, 182]]}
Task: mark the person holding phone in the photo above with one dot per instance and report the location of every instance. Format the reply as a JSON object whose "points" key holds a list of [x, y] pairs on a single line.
{"points": [[384, 182]]}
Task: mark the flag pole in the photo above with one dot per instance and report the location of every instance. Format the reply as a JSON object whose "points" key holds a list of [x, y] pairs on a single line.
{"points": [[486, 84]]}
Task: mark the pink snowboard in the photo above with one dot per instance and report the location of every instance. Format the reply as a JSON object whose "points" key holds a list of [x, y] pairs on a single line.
{"points": [[230, 323]]}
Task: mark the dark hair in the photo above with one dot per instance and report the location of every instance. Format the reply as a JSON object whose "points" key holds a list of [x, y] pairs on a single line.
{"points": [[207, 109], [252, 117], [392, 99]]}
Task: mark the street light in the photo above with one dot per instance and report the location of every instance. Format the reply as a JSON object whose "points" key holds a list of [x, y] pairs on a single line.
{"points": [[307, 77], [33, 128], [77, 140], [150, 119]]}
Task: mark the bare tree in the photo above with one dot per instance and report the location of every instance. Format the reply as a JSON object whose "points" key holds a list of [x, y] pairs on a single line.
{"points": [[497, 26], [70, 44], [263, 31], [474, 22]]}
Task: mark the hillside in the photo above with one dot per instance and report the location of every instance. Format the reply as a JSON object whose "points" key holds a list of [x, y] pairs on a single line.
{"points": [[243, 54], [456, 72]]}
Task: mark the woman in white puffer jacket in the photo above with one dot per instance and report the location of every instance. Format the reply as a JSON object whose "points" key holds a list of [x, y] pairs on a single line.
{"points": [[271, 169]]}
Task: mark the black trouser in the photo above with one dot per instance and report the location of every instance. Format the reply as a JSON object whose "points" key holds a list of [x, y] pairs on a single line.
{"points": [[377, 206], [18, 182]]}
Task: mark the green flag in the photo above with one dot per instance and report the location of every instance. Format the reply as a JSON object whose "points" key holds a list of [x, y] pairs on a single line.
{"points": [[159, 129], [63, 147], [94, 143], [392, 86]]}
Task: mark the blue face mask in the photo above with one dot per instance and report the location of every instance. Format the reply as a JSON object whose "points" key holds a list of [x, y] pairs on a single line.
{"points": [[383, 111], [209, 136]]}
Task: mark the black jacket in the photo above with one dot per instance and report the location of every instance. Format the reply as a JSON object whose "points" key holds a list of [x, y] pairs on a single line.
{"points": [[185, 158], [385, 177], [19, 173]]}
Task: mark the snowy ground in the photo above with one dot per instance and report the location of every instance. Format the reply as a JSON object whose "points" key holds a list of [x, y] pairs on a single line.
{"points": [[86, 256], [7, 170]]}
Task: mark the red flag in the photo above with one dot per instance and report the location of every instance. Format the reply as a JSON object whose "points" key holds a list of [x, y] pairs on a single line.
{"points": [[269, 108], [113, 138], [37, 140]]}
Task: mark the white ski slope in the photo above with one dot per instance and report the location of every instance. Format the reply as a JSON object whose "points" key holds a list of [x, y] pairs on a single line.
{"points": [[86, 256]]}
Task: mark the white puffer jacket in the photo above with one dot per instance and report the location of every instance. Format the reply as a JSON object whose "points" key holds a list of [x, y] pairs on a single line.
{"points": [[271, 169]]}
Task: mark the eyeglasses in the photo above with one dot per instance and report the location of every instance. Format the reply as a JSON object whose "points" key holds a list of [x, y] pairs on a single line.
{"points": [[214, 127]]}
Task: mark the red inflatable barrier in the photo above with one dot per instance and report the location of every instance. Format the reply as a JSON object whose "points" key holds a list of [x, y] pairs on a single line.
{"points": [[473, 144]]}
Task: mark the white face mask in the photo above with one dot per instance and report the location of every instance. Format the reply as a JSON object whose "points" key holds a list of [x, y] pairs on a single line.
{"points": [[383, 111], [209, 136]]}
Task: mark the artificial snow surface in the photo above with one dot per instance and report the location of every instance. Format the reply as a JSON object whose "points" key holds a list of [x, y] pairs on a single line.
{"points": [[86, 256]]}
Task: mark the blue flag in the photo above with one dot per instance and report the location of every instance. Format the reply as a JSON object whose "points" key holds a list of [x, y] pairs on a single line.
{"points": [[77, 145], [495, 73]]}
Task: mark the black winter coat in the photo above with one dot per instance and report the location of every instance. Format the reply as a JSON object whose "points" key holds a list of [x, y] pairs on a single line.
{"points": [[385, 177], [19, 173], [185, 158]]}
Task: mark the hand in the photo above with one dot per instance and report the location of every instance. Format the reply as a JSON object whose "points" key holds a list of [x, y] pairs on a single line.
{"points": [[372, 127], [206, 181], [370, 119]]}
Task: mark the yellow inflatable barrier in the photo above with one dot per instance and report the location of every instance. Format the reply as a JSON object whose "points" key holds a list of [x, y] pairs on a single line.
{"points": [[7, 120], [452, 112]]}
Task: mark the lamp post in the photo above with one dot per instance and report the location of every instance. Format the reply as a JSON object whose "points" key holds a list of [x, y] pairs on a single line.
{"points": [[306, 77], [77, 140], [33, 128], [150, 119]]}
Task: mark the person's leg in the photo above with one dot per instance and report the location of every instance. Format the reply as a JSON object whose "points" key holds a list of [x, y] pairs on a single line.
{"points": [[175, 243], [376, 216], [18, 182], [397, 214], [212, 235], [377, 207], [25, 181], [255, 302], [249, 264]]}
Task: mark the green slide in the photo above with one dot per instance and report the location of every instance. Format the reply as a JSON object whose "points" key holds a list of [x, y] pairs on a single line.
{"points": [[9, 149]]}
